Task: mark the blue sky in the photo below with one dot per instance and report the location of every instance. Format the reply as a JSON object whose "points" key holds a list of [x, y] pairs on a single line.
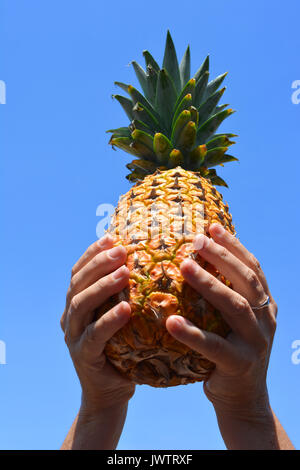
{"points": [[59, 61]]}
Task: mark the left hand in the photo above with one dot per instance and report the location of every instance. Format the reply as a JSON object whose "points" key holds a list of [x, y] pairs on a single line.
{"points": [[238, 382]]}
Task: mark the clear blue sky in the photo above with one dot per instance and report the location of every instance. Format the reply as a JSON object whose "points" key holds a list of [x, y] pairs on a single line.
{"points": [[59, 60]]}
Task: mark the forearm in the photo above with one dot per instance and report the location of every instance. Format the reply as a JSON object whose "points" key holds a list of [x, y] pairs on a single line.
{"points": [[97, 431], [260, 431]]}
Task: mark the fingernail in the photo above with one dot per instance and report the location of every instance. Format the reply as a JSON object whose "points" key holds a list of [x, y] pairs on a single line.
{"points": [[120, 273], [200, 242], [115, 252], [218, 229]]}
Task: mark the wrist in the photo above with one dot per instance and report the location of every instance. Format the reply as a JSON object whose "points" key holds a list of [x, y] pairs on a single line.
{"points": [[93, 409]]}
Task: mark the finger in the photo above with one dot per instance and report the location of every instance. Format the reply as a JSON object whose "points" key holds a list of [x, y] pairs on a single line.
{"points": [[244, 280], [99, 332], [103, 263], [234, 308], [83, 305], [212, 346], [224, 238], [104, 243]]}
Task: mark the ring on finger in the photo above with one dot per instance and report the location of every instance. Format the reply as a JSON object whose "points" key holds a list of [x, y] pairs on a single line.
{"points": [[264, 304]]}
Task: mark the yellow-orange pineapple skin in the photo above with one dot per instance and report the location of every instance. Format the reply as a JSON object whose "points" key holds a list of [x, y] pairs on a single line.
{"points": [[156, 221]]}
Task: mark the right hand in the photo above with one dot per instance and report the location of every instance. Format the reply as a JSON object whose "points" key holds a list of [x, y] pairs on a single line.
{"points": [[99, 274]]}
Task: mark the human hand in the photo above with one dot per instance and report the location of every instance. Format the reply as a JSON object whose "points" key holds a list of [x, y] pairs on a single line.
{"points": [[99, 274], [237, 385]]}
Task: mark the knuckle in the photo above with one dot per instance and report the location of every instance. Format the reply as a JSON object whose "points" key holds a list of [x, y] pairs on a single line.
{"points": [[255, 264], [73, 271], [240, 305], [90, 334], [209, 282], [217, 348], [75, 303], [252, 279], [223, 253]]}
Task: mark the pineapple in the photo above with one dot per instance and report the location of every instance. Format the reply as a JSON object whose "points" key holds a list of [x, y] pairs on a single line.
{"points": [[172, 137]]}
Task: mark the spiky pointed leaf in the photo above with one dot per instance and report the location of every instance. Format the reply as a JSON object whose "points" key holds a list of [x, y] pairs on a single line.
{"points": [[188, 89], [123, 86], [184, 104], [151, 61], [120, 132], [202, 69], [142, 165], [170, 62], [123, 143], [137, 97], [165, 98], [126, 104], [162, 147], [218, 156], [214, 85], [206, 109], [185, 67], [186, 138], [220, 141], [200, 89], [194, 115], [142, 78], [197, 156], [136, 124], [211, 125], [183, 118], [175, 158], [144, 115]]}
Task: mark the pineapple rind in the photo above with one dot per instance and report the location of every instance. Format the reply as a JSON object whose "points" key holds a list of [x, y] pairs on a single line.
{"points": [[143, 350]]}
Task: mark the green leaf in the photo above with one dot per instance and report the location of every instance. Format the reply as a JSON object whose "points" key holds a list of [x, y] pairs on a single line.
{"points": [[197, 156], [184, 104], [188, 89], [137, 97], [150, 61], [211, 125], [206, 109], [221, 140], [143, 137], [202, 69], [152, 76], [194, 115], [170, 62], [186, 138], [218, 181], [185, 67], [217, 156], [162, 147], [123, 143], [126, 104], [142, 78], [136, 175], [200, 89], [175, 159], [143, 144], [136, 124], [183, 118], [120, 132], [165, 98], [144, 115], [142, 165], [214, 85], [122, 85]]}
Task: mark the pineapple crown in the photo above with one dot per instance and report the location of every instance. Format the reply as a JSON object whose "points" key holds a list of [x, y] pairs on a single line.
{"points": [[175, 122]]}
